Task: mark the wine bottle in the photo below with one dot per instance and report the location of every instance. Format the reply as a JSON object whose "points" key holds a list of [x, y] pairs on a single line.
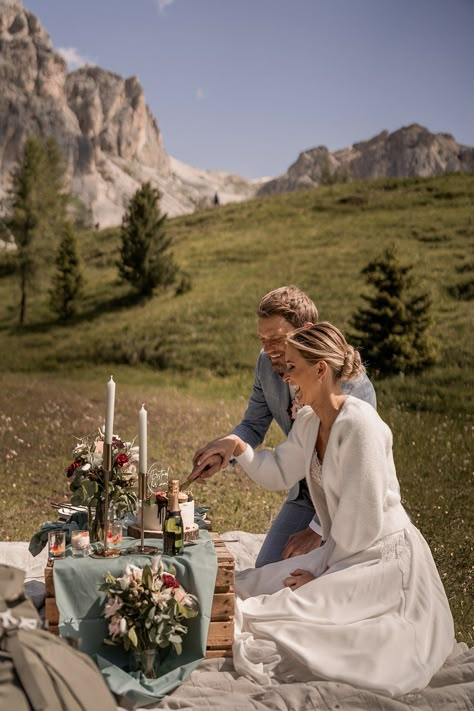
{"points": [[173, 529]]}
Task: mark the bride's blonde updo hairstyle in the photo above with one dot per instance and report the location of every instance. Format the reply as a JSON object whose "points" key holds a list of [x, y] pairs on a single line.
{"points": [[323, 341]]}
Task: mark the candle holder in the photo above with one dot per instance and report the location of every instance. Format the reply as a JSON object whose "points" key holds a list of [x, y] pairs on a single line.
{"points": [[142, 488], [106, 552]]}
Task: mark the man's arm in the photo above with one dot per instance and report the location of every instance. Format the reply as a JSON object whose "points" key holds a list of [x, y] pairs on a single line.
{"points": [[257, 417], [252, 430]]}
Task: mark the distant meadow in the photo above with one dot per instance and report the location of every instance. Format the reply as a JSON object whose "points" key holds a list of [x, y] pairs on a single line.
{"points": [[190, 357]]}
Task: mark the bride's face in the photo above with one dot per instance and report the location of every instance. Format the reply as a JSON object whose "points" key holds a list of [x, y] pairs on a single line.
{"points": [[301, 374]]}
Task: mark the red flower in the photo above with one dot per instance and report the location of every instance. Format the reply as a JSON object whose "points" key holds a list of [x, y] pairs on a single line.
{"points": [[170, 581], [72, 468], [121, 460]]}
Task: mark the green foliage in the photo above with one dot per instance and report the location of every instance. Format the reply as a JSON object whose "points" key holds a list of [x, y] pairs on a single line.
{"points": [[37, 208], [392, 327], [145, 261], [68, 283]]}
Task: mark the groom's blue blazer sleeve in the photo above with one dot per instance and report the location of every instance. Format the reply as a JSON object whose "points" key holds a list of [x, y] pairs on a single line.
{"points": [[269, 401]]}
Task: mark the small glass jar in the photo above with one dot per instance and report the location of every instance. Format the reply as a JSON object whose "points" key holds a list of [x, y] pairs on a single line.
{"points": [[114, 531], [80, 543], [56, 545]]}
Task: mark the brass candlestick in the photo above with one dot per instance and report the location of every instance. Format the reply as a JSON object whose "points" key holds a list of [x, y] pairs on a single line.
{"points": [[142, 488], [107, 467]]}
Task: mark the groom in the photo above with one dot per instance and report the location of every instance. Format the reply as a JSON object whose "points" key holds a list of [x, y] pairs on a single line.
{"points": [[296, 528]]}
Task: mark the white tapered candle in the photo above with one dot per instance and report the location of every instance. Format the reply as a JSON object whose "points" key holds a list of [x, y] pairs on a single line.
{"points": [[109, 411], [142, 440]]}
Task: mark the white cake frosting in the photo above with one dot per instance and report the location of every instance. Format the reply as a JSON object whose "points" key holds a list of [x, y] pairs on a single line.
{"points": [[151, 522]]}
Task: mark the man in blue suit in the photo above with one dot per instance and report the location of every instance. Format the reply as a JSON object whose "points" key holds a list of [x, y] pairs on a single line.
{"points": [[295, 529]]}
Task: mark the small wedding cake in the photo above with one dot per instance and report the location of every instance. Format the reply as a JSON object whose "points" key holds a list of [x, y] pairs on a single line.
{"points": [[154, 514]]}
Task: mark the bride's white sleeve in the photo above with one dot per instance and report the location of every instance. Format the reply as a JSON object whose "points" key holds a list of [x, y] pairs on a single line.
{"points": [[364, 461], [278, 469]]}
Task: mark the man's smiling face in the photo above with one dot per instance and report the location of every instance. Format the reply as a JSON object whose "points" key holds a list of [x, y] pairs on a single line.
{"points": [[272, 332]]}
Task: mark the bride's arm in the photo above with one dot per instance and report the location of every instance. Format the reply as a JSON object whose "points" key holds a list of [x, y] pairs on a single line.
{"points": [[279, 469], [275, 470]]}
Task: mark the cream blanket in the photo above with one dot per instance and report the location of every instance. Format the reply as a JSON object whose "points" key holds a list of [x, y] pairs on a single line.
{"points": [[215, 686]]}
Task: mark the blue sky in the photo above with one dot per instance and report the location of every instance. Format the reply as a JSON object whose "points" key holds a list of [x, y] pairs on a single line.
{"points": [[245, 85]]}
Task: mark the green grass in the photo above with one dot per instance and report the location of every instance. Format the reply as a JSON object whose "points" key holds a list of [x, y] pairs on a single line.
{"points": [[191, 358]]}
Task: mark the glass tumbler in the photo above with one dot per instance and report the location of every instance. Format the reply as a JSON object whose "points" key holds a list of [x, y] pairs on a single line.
{"points": [[80, 543], [56, 545]]}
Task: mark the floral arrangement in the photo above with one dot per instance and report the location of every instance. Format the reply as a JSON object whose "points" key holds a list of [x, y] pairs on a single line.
{"points": [[147, 608], [86, 473]]}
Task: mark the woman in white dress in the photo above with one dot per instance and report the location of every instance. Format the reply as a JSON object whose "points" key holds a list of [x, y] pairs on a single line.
{"points": [[367, 608]]}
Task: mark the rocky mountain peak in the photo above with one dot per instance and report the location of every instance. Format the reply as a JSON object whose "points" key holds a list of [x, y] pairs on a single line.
{"points": [[109, 139], [411, 151]]}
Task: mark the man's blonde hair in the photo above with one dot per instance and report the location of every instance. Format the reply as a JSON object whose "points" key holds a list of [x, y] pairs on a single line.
{"points": [[291, 303]]}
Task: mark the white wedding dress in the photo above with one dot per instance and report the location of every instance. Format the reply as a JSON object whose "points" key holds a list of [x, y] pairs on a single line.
{"points": [[376, 616]]}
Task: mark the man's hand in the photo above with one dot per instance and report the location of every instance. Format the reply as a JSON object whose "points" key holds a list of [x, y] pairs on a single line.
{"points": [[215, 456], [212, 466], [301, 542], [298, 578]]}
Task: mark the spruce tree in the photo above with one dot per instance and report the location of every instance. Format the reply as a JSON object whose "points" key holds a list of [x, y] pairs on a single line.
{"points": [[67, 282], [25, 218], [392, 328], [145, 260], [37, 207]]}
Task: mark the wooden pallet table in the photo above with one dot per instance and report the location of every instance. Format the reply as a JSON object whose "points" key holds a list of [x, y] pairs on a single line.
{"points": [[221, 626]]}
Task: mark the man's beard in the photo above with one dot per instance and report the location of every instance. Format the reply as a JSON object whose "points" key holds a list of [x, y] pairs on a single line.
{"points": [[279, 368]]}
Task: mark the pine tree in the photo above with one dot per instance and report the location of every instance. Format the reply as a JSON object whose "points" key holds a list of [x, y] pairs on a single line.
{"points": [[145, 261], [392, 328], [24, 221], [37, 208], [68, 282]]}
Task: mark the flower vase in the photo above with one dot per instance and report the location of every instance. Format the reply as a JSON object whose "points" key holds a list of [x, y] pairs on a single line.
{"points": [[145, 661], [97, 522]]}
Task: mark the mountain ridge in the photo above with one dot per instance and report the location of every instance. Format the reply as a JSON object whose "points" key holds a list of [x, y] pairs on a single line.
{"points": [[109, 138], [112, 143]]}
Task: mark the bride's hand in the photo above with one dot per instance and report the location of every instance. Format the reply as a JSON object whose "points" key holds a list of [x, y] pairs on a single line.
{"points": [[298, 578]]}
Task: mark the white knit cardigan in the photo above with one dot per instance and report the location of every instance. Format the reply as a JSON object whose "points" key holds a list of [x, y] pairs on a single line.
{"points": [[361, 502]]}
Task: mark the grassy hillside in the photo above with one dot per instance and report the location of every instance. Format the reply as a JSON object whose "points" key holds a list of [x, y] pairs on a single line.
{"points": [[191, 357]]}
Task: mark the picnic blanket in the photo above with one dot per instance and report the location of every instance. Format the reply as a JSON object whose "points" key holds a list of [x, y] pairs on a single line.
{"points": [[215, 686]]}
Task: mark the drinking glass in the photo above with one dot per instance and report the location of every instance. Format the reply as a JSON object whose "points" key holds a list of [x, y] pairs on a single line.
{"points": [[114, 534], [80, 543], [56, 545]]}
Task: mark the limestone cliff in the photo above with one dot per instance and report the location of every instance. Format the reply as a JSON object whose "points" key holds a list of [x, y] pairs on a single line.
{"points": [[109, 139], [411, 151]]}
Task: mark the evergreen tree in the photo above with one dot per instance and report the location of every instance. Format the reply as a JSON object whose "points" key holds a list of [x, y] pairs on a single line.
{"points": [[37, 208], [68, 282], [145, 261], [392, 328]]}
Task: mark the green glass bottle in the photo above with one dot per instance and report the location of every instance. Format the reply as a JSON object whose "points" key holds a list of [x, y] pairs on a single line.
{"points": [[173, 529]]}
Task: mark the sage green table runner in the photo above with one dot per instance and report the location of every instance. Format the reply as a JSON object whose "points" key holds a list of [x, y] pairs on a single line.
{"points": [[81, 606]]}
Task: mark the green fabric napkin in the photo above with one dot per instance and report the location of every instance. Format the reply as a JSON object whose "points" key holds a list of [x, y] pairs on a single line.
{"points": [[81, 606]]}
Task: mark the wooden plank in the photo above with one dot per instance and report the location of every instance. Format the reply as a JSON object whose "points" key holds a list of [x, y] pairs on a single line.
{"points": [[221, 635], [49, 581], [213, 653], [225, 579], [222, 606], [51, 611]]}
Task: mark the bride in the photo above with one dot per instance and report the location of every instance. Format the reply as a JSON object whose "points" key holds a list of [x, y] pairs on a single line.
{"points": [[367, 608]]}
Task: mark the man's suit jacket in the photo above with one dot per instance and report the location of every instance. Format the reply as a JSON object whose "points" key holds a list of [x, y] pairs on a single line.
{"points": [[270, 399]]}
